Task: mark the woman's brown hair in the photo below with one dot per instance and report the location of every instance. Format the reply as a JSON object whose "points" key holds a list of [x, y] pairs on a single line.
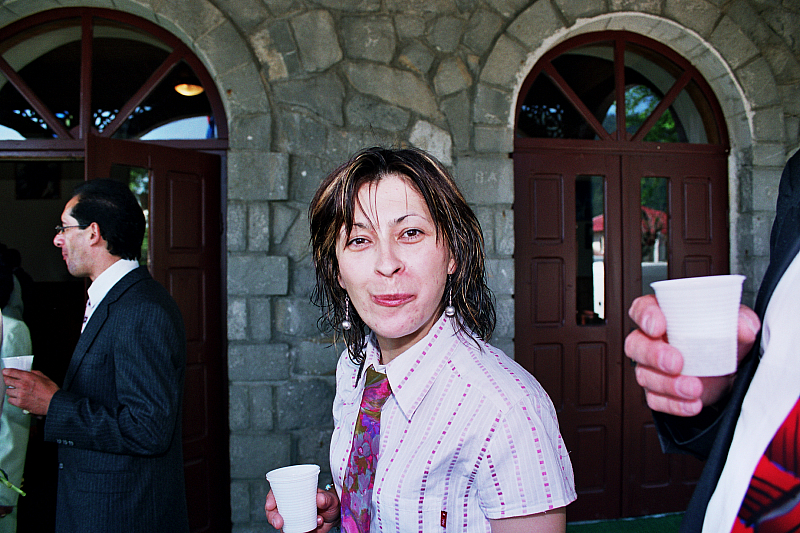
{"points": [[334, 206]]}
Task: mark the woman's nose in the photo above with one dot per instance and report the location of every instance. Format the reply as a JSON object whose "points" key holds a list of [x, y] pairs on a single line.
{"points": [[389, 261]]}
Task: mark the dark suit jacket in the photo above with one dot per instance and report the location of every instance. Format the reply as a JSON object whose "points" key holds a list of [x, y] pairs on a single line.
{"points": [[708, 435], [117, 419]]}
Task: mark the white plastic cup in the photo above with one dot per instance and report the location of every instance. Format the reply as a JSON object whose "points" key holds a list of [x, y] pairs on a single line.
{"points": [[20, 362], [702, 321], [295, 490]]}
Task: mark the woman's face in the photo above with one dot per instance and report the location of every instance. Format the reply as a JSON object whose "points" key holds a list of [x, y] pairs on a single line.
{"points": [[392, 265]]}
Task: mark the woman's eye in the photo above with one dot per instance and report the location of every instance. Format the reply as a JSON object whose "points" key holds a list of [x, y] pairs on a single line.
{"points": [[357, 241], [412, 233]]}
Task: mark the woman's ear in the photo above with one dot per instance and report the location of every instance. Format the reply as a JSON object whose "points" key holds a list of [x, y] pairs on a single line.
{"points": [[451, 266]]}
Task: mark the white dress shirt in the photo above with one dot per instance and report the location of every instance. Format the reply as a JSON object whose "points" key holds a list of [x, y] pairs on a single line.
{"points": [[771, 396], [468, 435], [107, 279]]}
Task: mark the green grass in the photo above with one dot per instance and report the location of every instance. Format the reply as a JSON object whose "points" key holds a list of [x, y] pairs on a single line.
{"points": [[666, 523]]}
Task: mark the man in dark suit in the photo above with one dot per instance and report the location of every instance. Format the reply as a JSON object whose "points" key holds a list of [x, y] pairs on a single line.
{"points": [[117, 418], [706, 417]]}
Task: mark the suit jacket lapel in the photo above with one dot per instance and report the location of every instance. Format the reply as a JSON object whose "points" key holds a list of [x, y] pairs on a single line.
{"points": [[96, 321]]}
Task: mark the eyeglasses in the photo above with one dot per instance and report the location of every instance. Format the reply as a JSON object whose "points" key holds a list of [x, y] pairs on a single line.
{"points": [[61, 229]]}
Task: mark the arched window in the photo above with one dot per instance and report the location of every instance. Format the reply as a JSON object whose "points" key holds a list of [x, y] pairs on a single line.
{"points": [[597, 85], [76, 71]]}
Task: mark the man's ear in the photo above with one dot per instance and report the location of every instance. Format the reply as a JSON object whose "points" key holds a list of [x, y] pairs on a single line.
{"points": [[94, 233]]}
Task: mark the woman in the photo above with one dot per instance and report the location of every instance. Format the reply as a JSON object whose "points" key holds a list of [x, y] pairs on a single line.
{"points": [[468, 440]]}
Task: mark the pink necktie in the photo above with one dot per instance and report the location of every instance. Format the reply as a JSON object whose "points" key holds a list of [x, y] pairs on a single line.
{"points": [[359, 479], [86, 313]]}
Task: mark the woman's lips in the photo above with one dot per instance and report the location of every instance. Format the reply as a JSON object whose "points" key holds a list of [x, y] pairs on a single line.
{"points": [[392, 300]]}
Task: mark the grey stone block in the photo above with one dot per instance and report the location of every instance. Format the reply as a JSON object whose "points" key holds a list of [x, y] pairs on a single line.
{"points": [[252, 456], [535, 24], [409, 25], [240, 502], [256, 175], [295, 317], [224, 47], [492, 105], [258, 226], [500, 276], [494, 139], [323, 95], [242, 91], [732, 43], [365, 112], [754, 79], [371, 38], [433, 140], [251, 131], [416, 57], [238, 408], [258, 362], [237, 319], [394, 86], [295, 243], [313, 447], [317, 358], [446, 33], [257, 275], [504, 306], [194, 21], [236, 230], [504, 232], [260, 319], [301, 134], [452, 76], [575, 9], [261, 408], [504, 63], [482, 29], [698, 16], [306, 174], [304, 404], [303, 281], [768, 125], [486, 180], [457, 110], [317, 40], [486, 220]]}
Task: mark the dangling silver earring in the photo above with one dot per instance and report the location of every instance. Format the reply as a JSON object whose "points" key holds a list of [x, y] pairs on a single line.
{"points": [[450, 310], [346, 324]]}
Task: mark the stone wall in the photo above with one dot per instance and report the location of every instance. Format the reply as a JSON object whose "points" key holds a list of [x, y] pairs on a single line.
{"points": [[306, 83]]}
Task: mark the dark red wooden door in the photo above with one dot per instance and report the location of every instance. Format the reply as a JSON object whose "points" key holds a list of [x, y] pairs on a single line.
{"points": [[592, 230], [185, 256]]}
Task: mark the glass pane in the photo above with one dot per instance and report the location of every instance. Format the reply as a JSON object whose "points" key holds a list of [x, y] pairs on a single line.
{"points": [[590, 249], [138, 181], [165, 106], [47, 58], [648, 77], [547, 113], [654, 217]]}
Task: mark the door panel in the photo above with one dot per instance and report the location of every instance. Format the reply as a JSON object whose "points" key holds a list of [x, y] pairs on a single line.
{"points": [[184, 246], [698, 246], [576, 359]]}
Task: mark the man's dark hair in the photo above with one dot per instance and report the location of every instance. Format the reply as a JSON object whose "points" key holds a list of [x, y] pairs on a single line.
{"points": [[114, 207]]}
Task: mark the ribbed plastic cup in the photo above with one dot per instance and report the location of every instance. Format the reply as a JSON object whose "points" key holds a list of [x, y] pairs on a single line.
{"points": [[702, 321], [295, 490], [20, 362]]}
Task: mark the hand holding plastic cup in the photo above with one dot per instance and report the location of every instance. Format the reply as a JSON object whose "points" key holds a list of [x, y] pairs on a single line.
{"points": [[295, 490], [702, 321]]}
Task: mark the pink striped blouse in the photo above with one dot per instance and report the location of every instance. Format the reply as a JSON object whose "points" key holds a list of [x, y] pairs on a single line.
{"points": [[467, 436]]}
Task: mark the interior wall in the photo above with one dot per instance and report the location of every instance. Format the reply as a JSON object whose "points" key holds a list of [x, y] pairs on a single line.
{"points": [[28, 222]]}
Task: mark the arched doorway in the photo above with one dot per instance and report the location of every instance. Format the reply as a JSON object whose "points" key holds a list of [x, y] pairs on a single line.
{"points": [[88, 93], [620, 162]]}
